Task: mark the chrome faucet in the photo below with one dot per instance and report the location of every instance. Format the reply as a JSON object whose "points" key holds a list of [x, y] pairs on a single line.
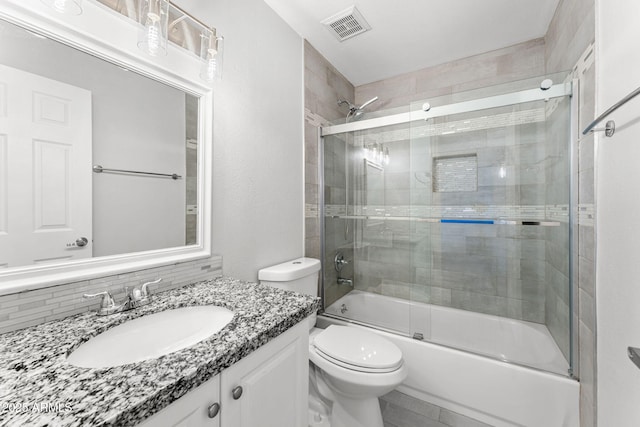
{"points": [[108, 304], [135, 298], [140, 297]]}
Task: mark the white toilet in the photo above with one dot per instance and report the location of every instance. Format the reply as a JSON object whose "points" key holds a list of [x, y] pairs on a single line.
{"points": [[351, 367]]}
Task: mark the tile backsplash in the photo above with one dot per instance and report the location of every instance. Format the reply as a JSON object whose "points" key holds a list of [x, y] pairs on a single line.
{"points": [[27, 308]]}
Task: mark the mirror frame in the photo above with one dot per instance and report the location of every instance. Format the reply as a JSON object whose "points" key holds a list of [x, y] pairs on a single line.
{"points": [[105, 34]]}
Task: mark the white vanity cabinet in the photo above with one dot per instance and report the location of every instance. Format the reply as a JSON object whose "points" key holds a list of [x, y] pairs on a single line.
{"points": [[268, 388], [192, 409]]}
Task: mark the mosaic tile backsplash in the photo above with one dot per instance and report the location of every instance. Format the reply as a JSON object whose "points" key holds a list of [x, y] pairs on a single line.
{"points": [[28, 308]]}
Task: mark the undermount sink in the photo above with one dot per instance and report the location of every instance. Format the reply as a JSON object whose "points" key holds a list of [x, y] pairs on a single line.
{"points": [[151, 336]]}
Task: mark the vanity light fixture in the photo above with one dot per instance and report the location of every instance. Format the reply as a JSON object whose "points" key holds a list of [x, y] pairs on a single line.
{"points": [[154, 34], [377, 153], [211, 46], [154, 20], [68, 7]]}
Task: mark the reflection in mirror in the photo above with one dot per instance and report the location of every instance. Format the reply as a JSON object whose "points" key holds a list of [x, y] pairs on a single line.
{"points": [[63, 111], [373, 184]]}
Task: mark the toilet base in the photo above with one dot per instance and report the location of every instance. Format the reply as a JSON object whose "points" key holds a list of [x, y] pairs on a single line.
{"points": [[347, 412], [316, 419]]}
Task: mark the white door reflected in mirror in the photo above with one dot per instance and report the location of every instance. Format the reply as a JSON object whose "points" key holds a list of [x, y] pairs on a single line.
{"points": [[45, 145]]}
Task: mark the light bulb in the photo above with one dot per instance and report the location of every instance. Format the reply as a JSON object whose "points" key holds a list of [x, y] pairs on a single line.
{"points": [[153, 36], [153, 32], [211, 68], [210, 54]]}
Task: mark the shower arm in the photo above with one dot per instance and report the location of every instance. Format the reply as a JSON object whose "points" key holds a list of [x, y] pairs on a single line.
{"points": [[374, 99]]}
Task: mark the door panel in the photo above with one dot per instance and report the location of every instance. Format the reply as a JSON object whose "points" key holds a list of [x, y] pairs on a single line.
{"points": [[45, 176], [274, 384]]}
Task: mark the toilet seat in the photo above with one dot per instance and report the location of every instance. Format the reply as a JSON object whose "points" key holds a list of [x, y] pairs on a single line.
{"points": [[357, 350], [354, 367]]}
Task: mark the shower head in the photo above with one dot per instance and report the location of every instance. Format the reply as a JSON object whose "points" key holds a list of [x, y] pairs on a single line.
{"points": [[355, 111]]}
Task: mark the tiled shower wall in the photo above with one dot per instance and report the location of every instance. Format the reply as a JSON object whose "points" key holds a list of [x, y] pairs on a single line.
{"points": [[463, 266], [569, 36], [512, 63], [324, 86], [489, 269]]}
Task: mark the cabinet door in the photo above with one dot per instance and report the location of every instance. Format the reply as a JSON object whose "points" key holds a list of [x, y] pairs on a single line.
{"points": [[191, 410], [274, 383]]}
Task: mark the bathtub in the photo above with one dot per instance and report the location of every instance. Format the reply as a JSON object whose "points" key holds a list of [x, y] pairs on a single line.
{"points": [[463, 367]]}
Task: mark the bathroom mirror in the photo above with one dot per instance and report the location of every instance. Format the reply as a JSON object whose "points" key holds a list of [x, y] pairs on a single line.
{"points": [[102, 156]]}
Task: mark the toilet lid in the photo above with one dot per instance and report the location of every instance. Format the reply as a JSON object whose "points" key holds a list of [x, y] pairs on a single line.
{"points": [[358, 348]]}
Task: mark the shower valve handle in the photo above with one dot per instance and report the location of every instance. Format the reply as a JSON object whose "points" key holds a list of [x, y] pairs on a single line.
{"points": [[339, 261]]}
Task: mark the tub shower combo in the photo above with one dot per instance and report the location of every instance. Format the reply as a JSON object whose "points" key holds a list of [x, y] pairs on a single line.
{"points": [[448, 229]]}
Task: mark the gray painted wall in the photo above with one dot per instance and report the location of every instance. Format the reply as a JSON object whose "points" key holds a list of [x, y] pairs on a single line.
{"points": [[258, 178]]}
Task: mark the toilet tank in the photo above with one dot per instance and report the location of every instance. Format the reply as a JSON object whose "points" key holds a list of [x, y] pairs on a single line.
{"points": [[299, 275]]}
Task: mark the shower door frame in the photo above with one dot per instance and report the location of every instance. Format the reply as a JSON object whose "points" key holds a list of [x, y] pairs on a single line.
{"points": [[530, 95], [568, 88]]}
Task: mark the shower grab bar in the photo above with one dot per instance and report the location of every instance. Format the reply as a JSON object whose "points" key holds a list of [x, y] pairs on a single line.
{"points": [[610, 125], [100, 169]]}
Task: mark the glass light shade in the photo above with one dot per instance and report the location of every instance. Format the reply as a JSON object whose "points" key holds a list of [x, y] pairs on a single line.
{"points": [[154, 21], [211, 49], [68, 7]]}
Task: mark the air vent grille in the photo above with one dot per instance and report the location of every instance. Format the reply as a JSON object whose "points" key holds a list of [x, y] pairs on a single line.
{"points": [[346, 24]]}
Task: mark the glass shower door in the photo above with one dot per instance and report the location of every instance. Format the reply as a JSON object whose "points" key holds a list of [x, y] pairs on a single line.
{"points": [[456, 229], [496, 188]]}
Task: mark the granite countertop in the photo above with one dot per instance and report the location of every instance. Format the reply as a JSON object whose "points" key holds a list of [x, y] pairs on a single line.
{"points": [[38, 387]]}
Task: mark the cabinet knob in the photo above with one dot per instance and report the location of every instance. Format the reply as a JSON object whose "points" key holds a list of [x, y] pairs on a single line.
{"points": [[213, 410], [236, 392]]}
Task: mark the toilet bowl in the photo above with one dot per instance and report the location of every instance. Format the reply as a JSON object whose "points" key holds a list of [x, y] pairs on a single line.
{"points": [[354, 368], [350, 367]]}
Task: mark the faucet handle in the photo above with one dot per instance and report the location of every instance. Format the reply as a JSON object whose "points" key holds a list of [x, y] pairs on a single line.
{"points": [[107, 299], [144, 292]]}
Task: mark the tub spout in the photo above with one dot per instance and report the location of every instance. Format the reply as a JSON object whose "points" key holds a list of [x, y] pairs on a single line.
{"points": [[342, 281]]}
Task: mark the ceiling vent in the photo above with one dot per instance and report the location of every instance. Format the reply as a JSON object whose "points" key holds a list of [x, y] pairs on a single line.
{"points": [[346, 24]]}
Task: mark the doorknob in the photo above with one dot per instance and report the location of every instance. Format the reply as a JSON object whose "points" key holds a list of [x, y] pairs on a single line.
{"points": [[80, 242]]}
